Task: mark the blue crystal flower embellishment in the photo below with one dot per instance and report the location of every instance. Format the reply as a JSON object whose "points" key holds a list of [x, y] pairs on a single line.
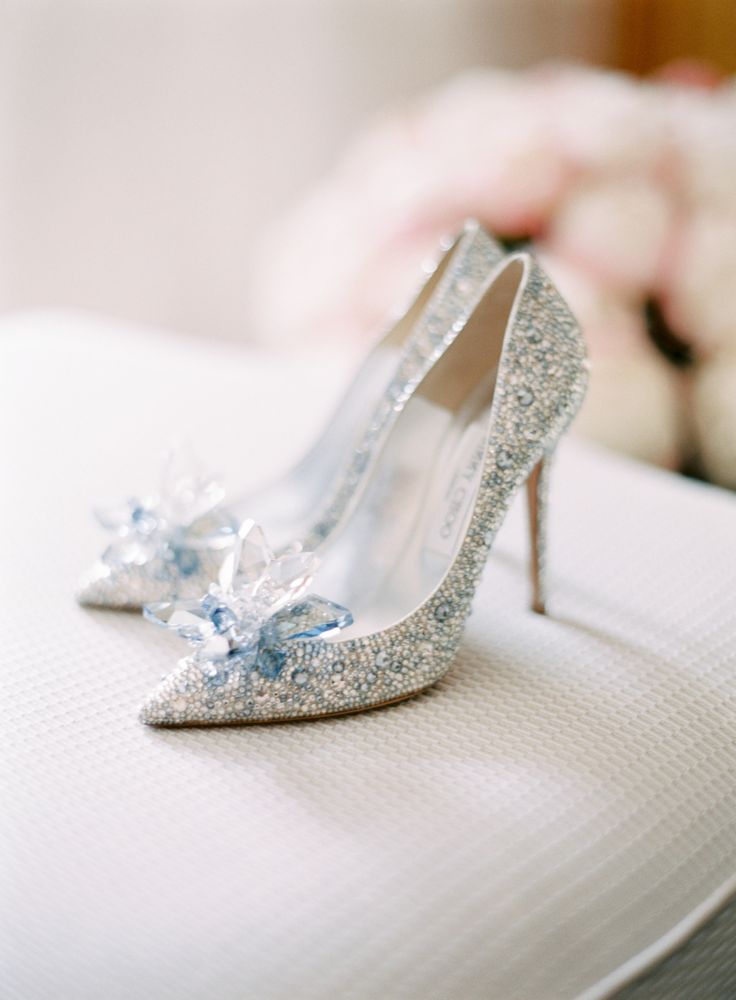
{"points": [[169, 531], [257, 606]]}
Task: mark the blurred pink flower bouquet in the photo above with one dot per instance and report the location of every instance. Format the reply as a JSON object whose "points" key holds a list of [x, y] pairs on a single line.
{"points": [[628, 191]]}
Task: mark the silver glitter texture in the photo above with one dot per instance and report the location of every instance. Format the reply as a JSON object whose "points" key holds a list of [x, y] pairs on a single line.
{"points": [[544, 356], [131, 586]]}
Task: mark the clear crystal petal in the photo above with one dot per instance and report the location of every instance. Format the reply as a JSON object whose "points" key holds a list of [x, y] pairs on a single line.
{"points": [[270, 661], [216, 647], [145, 519], [115, 517], [180, 469], [249, 558], [187, 494], [293, 569], [214, 530], [131, 551], [187, 619], [311, 616], [192, 500], [210, 495], [246, 630]]}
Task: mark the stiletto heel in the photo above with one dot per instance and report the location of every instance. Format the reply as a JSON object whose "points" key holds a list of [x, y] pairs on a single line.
{"points": [[406, 561], [537, 492], [170, 544]]}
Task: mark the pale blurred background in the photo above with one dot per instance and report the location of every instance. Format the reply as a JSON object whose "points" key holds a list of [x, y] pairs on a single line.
{"points": [[154, 153], [147, 143]]}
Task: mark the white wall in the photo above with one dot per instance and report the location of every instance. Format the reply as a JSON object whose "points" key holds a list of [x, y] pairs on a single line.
{"points": [[144, 143]]}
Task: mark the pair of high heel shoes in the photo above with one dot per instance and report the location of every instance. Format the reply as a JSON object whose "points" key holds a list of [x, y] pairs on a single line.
{"points": [[390, 516]]}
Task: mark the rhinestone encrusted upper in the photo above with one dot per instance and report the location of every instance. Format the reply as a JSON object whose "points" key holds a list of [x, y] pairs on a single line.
{"points": [[159, 564], [476, 255], [245, 621], [165, 544], [540, 385]]}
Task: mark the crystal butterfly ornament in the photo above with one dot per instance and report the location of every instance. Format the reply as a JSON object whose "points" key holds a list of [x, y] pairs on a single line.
{"points": [[163, 545], [241, 624]]}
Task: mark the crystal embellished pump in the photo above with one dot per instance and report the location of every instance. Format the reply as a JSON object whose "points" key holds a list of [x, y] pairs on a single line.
{"points": [[481, 423], [171, 543], [244, 621]]}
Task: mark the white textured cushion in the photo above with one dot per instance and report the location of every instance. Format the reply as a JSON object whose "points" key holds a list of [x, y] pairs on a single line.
{"points": [[551, 819]]}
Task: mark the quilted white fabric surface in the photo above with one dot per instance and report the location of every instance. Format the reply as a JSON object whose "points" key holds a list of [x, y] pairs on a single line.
{"points": [[553, 818]]}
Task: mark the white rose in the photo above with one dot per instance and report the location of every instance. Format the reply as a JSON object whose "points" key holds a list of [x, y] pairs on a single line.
{"points": [[699, 286], [702, 128], [613, 327], [489, 143], [617, 229], [635, 396], [634, 405], [604, 121], [714, 415]]}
